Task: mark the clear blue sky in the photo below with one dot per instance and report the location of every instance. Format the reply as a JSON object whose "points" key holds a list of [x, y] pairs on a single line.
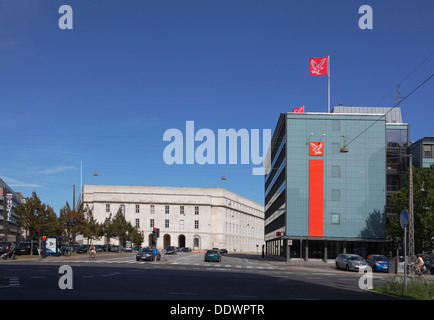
{"points": [[105, 92]]}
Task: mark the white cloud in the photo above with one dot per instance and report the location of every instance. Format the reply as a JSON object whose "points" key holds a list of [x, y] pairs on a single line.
{"points": [[56, 169], [16, 183]]}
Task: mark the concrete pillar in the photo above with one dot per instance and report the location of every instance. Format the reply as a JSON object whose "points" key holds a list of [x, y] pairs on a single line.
{"points": [[325, 251]]}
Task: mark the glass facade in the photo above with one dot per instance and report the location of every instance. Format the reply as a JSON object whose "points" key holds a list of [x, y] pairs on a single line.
{"points": [[325, 197], [354, 182]]}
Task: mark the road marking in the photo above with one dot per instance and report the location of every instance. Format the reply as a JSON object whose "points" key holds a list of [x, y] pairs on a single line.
{"points": [[184, 293], [241, 296], [14, 281], [109, 274]]}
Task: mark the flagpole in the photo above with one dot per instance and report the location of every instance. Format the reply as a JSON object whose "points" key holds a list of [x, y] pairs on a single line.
{"points": [[328, 76]]}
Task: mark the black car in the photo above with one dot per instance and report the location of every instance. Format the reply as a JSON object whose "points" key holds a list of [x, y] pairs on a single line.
{"points": [[24, 248], [148, 254], [223, 251], [170, 250], [82, 249], [428, 261]]}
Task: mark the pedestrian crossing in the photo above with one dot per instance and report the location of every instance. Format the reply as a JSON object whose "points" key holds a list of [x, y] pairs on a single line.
{"points": [[174, 264]]}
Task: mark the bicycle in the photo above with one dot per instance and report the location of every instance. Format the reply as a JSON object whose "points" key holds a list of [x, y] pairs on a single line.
{"points": [[413, 268], [92, 256]]}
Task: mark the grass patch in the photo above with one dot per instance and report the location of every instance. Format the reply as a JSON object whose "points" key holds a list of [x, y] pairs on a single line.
{"points": [[418, 288]]}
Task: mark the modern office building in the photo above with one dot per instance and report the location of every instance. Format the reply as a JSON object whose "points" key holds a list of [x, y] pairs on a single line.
{"points": [[325, 190], [199, 218], [9, 200], [397, 142], [423, 152]]}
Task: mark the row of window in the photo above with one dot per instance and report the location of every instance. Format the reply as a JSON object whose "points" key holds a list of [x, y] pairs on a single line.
{"points": [[167, 223], [152, 209]]}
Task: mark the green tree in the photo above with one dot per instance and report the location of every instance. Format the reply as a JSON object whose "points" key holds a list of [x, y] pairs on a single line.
{"points": [[423, 208], [123, 229], [91, 228], [33, 215], [71, 221]]}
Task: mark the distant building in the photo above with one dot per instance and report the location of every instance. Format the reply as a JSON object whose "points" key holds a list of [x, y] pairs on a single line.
{"points": [[9, 200], [199, 218], [423, 152]]}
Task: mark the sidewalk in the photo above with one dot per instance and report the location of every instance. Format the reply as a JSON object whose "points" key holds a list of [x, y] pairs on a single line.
{"points": [[74, 256]]}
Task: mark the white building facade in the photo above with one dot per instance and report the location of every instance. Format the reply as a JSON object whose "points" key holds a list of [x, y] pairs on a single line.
{"points": [[199, 218]]}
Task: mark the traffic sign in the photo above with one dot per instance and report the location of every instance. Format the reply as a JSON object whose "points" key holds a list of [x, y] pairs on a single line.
{"points": [[403, 219]]}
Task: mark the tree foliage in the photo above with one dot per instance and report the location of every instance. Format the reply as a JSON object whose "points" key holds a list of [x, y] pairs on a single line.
{"points": [[423, 208]]}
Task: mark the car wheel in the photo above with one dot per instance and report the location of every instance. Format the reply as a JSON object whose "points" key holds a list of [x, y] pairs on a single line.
{"points": [[337, 265], [347, 268]]}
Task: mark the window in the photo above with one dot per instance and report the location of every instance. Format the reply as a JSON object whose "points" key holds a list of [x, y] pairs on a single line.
{"points": [[152, 208], [427, 151], [196, 224], [181, 209], [336, 195], [152, 224], [166, 223], [107, 207], [336, 218], [336, 147], [336, 172], [196, 210], [166, 210], [137, 208], [336, 125], [138, 223], [181, 224]]}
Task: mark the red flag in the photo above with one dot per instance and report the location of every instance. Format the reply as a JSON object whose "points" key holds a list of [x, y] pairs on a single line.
{"points": [[319, 66], [299, 109]]}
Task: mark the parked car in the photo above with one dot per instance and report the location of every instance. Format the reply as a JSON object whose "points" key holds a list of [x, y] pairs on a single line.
{"points": [[378, 262], [213, 255], [114, 248], [170, 250], [350, 262], [23, 248], [223, 251], [149, 254], [82, 249], [99, 248], [185, 249], [428, 261]]}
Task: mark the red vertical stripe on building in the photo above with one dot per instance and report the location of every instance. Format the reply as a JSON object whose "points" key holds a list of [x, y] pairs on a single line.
{"points": [[316, 198]]}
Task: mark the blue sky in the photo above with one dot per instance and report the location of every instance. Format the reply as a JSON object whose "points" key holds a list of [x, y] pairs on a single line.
{"points": [[105, 92]]}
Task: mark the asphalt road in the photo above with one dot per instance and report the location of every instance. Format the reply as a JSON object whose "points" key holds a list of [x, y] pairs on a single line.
{"points": [[184, 276]]}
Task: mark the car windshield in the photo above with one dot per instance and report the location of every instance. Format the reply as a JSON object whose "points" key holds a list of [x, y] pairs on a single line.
{"points": [[355, 258], [147, 250], [379, 258], [211, 251]]}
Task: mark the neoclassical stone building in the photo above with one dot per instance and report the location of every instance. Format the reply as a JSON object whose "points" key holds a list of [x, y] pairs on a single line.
{"points": [[199, 218]]}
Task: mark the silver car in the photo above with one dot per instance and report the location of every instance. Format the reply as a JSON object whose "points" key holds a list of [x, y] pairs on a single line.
{"points": [[350, 262]]}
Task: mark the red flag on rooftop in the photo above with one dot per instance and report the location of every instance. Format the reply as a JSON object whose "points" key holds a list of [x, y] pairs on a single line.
{"points": [[299, 109], [318, 66]]}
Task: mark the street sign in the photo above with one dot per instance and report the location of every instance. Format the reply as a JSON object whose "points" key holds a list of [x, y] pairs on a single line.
{"points": [[403, 219]]}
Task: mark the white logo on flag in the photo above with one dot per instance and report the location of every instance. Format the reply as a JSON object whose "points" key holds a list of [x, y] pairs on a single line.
{"points": [[317, 67]]}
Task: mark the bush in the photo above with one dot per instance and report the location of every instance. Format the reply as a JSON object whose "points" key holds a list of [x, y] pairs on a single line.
{"points": [[418, 288]]}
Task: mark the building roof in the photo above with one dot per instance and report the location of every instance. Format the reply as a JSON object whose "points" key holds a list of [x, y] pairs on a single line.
{"points": [[393, 115]]}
